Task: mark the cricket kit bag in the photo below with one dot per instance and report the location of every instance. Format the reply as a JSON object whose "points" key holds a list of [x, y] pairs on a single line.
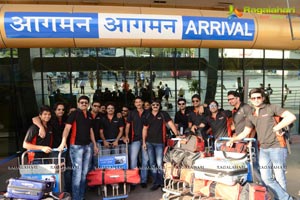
{"points": [[112, 176], [193, 143], [253, 191], [222, 191]]}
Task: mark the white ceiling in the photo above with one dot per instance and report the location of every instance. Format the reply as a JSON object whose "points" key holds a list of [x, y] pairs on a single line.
{"points": [[195, 4]]}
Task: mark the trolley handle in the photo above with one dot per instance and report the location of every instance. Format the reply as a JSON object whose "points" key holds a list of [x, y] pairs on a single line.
{"points": [[40, 151], [243, 140], [110, 140]]}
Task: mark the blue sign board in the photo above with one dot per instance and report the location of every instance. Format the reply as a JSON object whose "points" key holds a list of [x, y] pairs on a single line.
{"points": [[126, 26], [51, 25], [213, 28]]}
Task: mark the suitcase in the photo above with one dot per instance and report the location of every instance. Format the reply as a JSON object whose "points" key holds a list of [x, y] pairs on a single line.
{"points": [[22, 188], [224, 171]]}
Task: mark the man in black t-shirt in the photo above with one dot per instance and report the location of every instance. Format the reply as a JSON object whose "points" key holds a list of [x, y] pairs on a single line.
{"points": [[33, 141], [182, 116], [111, 126], [154, 139], [82, 135], [135, 124]]}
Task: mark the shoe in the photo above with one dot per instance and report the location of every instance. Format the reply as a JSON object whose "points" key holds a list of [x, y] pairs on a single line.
{"points": [[132, 187], [154, 187], [143, 185]]}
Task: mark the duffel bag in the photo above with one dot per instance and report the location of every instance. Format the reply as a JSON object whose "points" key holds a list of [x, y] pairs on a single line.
{"points": [[193, 143], [219, 190], [198, 184], [253, 191], [187, 175], [61, 196], [190, 158], [133, 176], [171, 171], [177, 156], [112, 176], [237, 147]]}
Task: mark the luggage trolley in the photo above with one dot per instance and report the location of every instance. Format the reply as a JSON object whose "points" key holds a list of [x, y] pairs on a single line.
{"points": [[251, 156], [240, 164], [49, 169], [113, 158], [174, 188]]}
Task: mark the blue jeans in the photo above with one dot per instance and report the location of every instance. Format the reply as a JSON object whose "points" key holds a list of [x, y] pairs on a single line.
{"points": [[80, 157], [94, 158], [134, 150], [155, 153], [272, 161]]}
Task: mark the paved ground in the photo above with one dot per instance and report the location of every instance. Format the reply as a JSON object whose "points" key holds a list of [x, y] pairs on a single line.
{"points": [[293, 178]]}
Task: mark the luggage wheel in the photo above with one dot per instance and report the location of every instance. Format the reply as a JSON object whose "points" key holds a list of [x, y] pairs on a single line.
{"points": [[165, 196]]}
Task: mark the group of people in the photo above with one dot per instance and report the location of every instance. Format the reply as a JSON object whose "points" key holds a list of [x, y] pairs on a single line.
{"points": [[145, 129]]}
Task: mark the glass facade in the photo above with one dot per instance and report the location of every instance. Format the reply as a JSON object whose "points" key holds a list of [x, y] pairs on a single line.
{"points": [[32, 77]]}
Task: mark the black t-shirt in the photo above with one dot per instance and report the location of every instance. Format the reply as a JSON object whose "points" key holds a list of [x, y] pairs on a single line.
{"points": [[156, 126], [111, 128], [219, 124], [97, 120], [32, 136], [196, 119], [81, 125], [182, 119], [58, 128], [135, 119]]}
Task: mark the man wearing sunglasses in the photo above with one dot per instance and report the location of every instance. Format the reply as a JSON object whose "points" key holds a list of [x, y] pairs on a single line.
{"points": [[218, 120], [82, 137], [154, 139], [272, 152], [197, 116]]}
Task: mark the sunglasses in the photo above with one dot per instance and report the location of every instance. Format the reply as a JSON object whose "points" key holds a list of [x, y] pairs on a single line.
{"points": [[253, 98], [230, 99], [213, 106], [110, 108], [155, 104], [181, 104], [84, 102]]}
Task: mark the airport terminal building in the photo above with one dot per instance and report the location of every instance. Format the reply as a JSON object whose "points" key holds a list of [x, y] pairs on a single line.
{"points": [[205, 47]]}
